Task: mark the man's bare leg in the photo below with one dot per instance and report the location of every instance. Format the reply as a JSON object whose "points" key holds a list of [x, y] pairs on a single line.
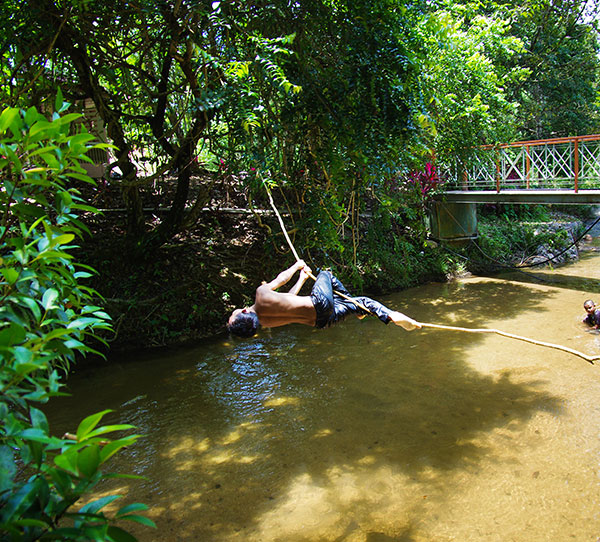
{"points": [[404, 321]]}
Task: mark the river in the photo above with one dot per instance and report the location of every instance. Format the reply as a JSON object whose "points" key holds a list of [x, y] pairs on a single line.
{"points": [[369, 433]]}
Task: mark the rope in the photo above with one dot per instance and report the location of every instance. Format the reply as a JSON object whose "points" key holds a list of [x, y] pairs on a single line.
{"points": [[589, 359]]}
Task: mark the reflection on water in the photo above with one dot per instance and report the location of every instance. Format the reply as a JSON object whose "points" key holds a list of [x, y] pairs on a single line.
{"points": [[365, 432]]}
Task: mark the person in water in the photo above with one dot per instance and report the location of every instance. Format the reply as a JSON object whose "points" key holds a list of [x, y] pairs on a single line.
{"points": [[593, 314], [322, 308]]}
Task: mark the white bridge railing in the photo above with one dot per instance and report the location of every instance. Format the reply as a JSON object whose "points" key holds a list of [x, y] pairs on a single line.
{"points": [[569, 163]]}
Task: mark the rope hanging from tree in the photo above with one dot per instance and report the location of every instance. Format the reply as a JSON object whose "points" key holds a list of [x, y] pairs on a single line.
{"points": [[589, 359], [289, 242]]}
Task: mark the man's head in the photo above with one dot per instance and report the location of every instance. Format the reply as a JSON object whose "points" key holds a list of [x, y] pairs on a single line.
{"points": [[243, 323], [589, 305]]}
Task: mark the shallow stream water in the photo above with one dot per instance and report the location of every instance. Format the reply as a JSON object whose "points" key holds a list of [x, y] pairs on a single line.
{"points": [[369, 433]]}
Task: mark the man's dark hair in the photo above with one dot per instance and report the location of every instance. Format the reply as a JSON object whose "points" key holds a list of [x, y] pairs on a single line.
{"points": [[245, 325]]}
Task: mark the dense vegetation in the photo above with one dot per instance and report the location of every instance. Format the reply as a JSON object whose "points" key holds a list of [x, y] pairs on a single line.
{"points": [[352, 112], [332, 101]]}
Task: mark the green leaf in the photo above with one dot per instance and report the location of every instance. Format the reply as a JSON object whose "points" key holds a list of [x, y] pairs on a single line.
{"points": [[19, 502], [35, 435], [59, 102], [48, 299], [43, 150], [22, 355], [33, 306], [55, 333], [81, 177], [81, 139], [31, 115], [109, 429], [140, 519], [70, 117], [104, 146], [11, 275], [88, 424], [134, 507], [76, 345], [13, 334], [95, 506], [62, 239], [84, 322], [8, 469], [7, 118], [61, 480], [97, 533], [113, 447], [116, 534], [38, 419], [17, 165], [39, 129], [119, 476], [67, 461], [86, 208]]}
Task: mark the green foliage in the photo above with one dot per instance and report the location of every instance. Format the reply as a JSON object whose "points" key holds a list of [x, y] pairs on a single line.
{"points": [[544, 55], [398, 261], [466, 78], [330, 146], [499, 239], [318, 96], [559, 96], [47, 318]]}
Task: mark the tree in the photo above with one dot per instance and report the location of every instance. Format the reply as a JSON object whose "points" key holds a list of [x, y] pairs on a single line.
{"points": [[157, 79], [558, 63], [318, 94], [468, 73], [350, 127], [559, 98]]}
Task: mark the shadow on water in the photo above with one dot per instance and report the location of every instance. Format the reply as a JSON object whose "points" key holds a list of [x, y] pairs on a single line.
{"points": [[556, 280], [554, 277], [237, 434]]}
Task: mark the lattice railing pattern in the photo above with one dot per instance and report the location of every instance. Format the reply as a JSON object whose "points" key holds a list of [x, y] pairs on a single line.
{"points": [[565, 163]]}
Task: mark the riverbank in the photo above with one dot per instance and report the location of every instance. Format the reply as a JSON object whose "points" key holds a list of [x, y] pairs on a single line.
{"points": [[531, 241]]}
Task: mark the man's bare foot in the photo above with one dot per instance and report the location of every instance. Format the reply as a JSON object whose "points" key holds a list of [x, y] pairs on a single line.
{"points": [[404, 321]]}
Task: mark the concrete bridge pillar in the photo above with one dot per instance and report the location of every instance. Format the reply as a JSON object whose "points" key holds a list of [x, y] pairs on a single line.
{"points": [[455, 223]]}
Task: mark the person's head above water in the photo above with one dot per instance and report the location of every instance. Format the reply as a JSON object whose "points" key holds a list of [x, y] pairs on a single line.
{"points": [[243, 323], [589, 305]]}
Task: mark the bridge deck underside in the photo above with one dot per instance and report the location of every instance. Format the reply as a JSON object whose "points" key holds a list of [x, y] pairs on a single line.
{"points": [[581, 197]]}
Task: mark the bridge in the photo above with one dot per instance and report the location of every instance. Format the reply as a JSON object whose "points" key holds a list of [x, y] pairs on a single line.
{"points": [[561, 170], [547, 171]]}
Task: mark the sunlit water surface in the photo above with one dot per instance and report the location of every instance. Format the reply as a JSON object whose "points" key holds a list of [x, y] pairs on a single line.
{"points": [[370, 433]]}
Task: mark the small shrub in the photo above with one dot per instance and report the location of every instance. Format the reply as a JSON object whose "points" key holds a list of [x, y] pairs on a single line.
{"points": [[47, 318]]}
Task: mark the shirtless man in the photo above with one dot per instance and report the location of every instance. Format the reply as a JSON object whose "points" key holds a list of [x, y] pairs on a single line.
{"points": [[322, 308]]}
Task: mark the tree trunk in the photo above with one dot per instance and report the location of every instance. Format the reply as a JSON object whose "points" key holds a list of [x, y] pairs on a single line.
{"points": [[72, 44]]}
